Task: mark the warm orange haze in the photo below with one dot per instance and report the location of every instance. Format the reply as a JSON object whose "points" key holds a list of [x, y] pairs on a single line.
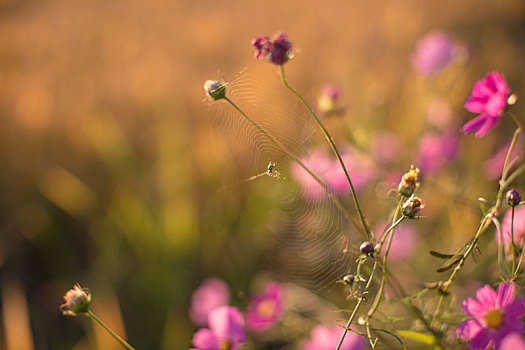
{"points": [[178, 208]]}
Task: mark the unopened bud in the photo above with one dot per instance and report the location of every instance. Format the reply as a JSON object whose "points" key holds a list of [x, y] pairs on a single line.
{"points": [[512, 99], [412, 207], [409, 183], [215, 89], [366, 248], [76, 301], [349, 280], [513, 197]]}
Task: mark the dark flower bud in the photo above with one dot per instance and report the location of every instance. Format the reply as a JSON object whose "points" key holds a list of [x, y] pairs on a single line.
{"points": [[281, 49], [366, 248], [513, 197], [215, 89]]}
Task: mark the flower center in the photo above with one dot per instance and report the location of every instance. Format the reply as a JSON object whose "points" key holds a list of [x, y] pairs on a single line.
{"points": [[493, 318], [266, 308], [225, 345]]}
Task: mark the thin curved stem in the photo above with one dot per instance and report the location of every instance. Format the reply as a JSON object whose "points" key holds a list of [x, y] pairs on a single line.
{"points": [[334, 148], [113, 334], [294, 158], [356, 307]]}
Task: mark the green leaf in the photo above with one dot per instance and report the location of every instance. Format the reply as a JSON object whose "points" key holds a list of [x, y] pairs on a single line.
{"points": [[442, 255], [449, 266], [392, 334], [420, 337]]}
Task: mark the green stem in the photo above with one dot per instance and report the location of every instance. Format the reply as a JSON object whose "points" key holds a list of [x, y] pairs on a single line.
{"points": [[332, 144], [512, 240], [113, 334], [359, 302], [293, 157]]}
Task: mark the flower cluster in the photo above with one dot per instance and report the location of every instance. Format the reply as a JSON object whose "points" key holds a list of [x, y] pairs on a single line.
{"points": [[276, 50], [77, 301]]}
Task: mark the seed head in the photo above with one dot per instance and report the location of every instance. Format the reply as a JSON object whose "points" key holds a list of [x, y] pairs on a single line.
{"points": [[215, 89], [412, 207], [409, 183], [513, 197], [76, 301]]}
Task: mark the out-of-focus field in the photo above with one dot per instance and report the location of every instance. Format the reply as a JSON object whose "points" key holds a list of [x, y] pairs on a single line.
{"points": [[112, 176]]}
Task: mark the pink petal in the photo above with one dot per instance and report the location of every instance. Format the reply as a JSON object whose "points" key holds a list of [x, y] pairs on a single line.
{"points": [[505, 294], [499, 82], [482, 89], [227, 322], [473, 308], [474, 124], [481, 341], [515, 310], [513, 341], [487, 126], [487, 297], [475, 104], [468, 329], [204, 339]]}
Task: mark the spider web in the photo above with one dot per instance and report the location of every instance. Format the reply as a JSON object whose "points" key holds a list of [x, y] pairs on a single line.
{"points": [[312, 237]]}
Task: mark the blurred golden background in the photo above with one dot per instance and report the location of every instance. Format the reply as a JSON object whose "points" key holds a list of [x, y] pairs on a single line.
{"points": [[110, 171]]}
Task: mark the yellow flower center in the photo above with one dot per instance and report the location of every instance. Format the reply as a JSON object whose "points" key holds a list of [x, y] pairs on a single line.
{"points": [[493, 318], [225, 345], [266, 308]]}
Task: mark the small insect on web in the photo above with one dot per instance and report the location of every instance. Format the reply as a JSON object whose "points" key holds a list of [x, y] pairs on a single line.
{"points": [[310, 233]]}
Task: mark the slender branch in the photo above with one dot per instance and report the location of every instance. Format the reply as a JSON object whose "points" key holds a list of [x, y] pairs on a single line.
{"points": [[113, 334], [334, 148]]}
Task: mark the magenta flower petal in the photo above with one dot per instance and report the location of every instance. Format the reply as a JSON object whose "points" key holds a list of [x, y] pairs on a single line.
{"points": [[474, 124], [487, 126], [475, 104], [226, 322], [472, 308], [468, 329], [213, 292], [433, 53], [487, 297], [204, 339], [512, 341], [327, 338], [505, 294], [481, 341], [515, 309]]}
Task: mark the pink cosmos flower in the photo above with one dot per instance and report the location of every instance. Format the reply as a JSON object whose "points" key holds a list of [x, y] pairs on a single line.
{"points": [[360, 168], [213, 292], [226, 330], [276, 50], [327, 338], [433, 53], [519, 225], [489, 98], [513, 341], [385, 146], [494, 165], [494, 316], [435, 150], [266, 308]]}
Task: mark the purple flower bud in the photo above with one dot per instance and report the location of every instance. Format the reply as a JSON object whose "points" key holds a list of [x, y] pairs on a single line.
{"points": [[366, 247], [281, 49], [277, 50], [513, 197], [409, 183]]}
